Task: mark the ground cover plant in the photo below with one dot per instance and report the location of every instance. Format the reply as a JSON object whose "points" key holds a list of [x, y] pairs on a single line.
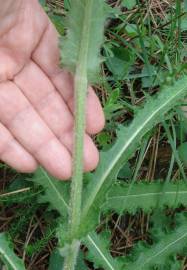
{"points": [[130, 213]]}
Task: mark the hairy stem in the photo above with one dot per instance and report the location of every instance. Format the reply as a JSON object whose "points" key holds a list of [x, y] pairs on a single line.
{"points": [[81, 86], [70, 260]]}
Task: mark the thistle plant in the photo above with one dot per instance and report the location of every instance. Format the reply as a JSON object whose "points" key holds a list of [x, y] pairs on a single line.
{"points": [[80, 55]]}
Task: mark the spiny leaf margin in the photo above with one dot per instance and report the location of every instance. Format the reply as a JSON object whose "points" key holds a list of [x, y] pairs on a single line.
{"points": [[145, 196], [98, 252], [146, 257], [55, 191]]}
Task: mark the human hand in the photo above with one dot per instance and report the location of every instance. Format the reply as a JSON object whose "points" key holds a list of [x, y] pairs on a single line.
{"points": [[36, 97]]}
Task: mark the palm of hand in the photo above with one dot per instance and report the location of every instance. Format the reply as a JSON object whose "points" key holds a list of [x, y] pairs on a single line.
{"points": [[36, 98]]}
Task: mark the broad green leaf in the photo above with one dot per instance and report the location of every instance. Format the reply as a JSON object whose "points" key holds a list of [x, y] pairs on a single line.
{"points": [[129, 4], [119, 62], [88, 18], [99, 254], [56, 192], [7, 254], [128, 141], [146, 196], [131, 30], [157, 254]]}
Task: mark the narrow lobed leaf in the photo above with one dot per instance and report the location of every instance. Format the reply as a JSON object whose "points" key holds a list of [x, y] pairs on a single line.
{"points": [[156, 255], [146, 196]]}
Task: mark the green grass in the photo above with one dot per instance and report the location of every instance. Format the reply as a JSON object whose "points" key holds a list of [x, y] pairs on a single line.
{"points": [[144, 49]]}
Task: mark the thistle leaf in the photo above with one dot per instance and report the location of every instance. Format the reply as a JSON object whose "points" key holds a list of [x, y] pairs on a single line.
{"points": [[146, 196], [129, 139], [8, 256], [158, 254], [55, 191], [86, 17], [99, 254]]}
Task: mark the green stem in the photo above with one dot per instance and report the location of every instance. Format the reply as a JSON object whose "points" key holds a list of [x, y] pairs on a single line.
{"points": [[76, 187], [70, 260], [81, 86]]}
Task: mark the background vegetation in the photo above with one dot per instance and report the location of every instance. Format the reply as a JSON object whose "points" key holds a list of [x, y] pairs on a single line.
{"points": [[145, 48]]}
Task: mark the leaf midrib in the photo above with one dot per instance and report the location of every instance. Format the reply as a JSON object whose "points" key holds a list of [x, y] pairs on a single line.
{"points": [[100, 252], [148, 194], [50, 181]]}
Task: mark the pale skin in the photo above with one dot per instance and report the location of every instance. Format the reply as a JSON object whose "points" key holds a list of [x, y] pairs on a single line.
{"points": [[36, 96]]}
